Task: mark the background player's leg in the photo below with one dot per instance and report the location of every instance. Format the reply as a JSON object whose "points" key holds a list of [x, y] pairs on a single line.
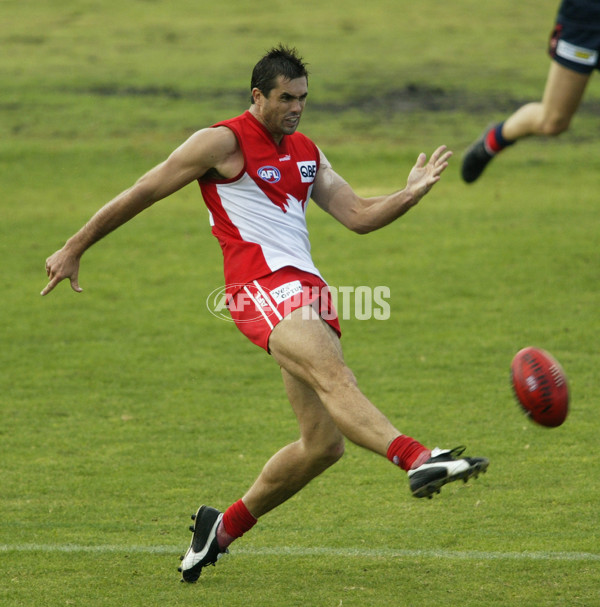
{"points": [[552, 116]]}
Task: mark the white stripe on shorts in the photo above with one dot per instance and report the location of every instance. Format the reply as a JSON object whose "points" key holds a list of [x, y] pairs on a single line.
{"points": [[259, 307], [269, 300]]}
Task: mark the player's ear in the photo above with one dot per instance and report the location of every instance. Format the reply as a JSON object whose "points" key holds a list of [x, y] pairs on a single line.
{"points": [[256, 95]]}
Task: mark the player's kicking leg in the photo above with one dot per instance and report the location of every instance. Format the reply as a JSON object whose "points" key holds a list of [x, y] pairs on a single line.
{"points": [[309, 350]]}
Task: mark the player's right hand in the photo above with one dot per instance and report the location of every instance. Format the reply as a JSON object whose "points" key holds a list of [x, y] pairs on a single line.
{"points": [[59, 266]]}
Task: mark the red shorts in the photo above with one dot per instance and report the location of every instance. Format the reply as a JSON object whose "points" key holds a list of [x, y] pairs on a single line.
{"points": [[259, 305]]}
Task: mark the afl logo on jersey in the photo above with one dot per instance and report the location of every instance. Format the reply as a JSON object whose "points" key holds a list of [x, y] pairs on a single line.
{"points": [[269, 174]]}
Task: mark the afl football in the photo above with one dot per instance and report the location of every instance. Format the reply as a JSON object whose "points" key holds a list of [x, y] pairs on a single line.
{"points": [[540, 386]]}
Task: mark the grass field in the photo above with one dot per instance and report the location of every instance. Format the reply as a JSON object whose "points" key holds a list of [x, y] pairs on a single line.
{"points": [[125, 407]]}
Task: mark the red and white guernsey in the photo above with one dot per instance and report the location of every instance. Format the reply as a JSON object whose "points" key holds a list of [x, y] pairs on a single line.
{"points": [[259, 216]]}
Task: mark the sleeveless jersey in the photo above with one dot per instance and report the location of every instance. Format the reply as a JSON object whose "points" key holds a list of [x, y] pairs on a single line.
{"points": [[259, 216]]}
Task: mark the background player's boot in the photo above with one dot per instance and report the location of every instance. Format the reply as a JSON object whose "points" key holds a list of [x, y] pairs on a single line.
{"points": [[475, 160]]}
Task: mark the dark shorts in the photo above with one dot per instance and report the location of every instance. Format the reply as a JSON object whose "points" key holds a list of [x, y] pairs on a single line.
{"points": [[575, 47], [257, 307]]}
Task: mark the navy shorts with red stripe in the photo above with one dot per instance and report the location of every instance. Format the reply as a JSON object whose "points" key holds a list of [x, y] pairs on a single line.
{"points": [[575, 46]]}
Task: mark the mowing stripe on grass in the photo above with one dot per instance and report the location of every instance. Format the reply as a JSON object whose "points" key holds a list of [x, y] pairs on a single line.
{"points": [[474, 555]]}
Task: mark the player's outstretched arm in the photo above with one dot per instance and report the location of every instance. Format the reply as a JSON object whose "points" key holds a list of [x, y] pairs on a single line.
{"points": [[364, 215], [206, 149]]}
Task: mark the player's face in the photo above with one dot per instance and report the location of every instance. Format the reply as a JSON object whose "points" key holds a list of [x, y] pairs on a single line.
{"points": [[280, 112]]}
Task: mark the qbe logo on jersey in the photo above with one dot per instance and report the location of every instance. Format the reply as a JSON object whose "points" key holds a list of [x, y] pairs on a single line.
{"points": [[308, 170]]}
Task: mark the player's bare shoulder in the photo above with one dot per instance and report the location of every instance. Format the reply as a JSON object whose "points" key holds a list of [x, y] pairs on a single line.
{"points": [[327, 183], [219, 151]]}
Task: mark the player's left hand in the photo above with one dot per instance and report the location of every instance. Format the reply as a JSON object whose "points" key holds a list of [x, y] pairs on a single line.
{"points": [[424, 175]]}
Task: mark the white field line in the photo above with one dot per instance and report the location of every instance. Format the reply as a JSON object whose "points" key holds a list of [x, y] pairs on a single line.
{"points": [[472, 555]]}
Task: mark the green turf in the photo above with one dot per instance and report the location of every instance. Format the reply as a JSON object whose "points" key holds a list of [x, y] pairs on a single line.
{"points": [[125, 407]]}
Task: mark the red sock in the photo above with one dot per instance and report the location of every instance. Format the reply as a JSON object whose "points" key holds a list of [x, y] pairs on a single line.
{"points": [[407, 453], [236, 521]]}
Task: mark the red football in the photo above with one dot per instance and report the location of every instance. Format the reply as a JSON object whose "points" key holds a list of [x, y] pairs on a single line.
{"points": [[540, 386]]}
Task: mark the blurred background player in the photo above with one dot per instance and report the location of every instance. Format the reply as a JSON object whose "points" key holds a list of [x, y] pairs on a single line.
{"points": [[574, 49]]}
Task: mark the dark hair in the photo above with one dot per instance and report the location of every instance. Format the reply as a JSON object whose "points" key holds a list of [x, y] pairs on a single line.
{"points": [[279, 61]]}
